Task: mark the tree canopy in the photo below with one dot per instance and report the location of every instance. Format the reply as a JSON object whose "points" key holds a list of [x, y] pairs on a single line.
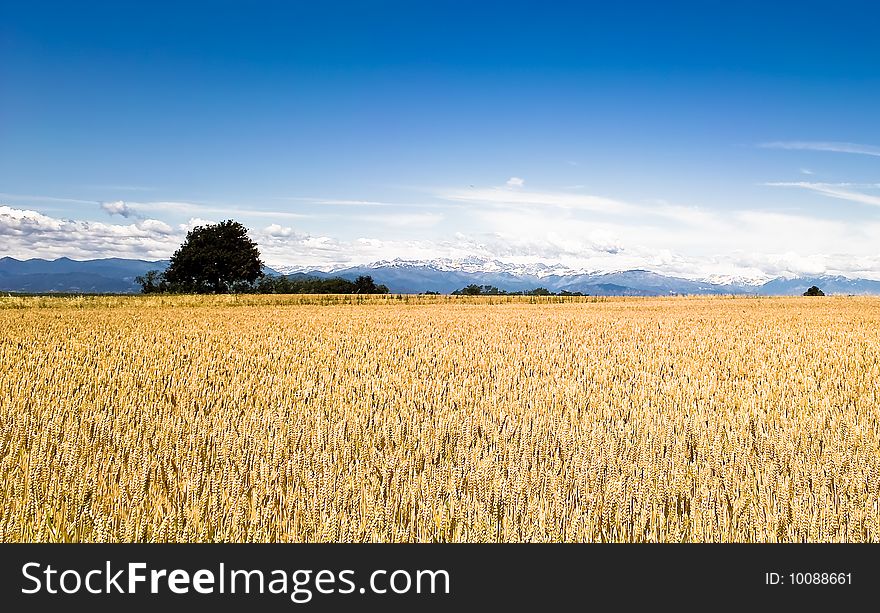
{"points": [[490, 290], [215, 258], [305, 284], [814, 291]]}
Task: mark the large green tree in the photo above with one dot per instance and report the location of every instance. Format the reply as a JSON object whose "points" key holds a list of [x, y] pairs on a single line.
{"points": [[216, 258]]}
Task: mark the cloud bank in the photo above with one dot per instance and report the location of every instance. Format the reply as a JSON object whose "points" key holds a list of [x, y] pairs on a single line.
{"points": [[535, 227], [834, 147]]}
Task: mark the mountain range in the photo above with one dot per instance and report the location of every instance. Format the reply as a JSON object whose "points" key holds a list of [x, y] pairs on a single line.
{"points": [[111, 275], [117, 275], [104, 276]]}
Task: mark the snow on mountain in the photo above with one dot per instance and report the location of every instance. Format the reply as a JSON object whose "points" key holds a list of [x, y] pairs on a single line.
{"points": [[754, 280], [445, 275], [466, 265]]}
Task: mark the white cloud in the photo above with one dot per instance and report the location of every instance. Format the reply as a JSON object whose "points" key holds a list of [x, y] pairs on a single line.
{"points": [[28, 234], [122, 188], [156, 226], [515, 182], [118, 208], [689, 215], [515, 199], [22, 222], [790, 230], [213, 210], [194, 222], [511, 224], [833, 190], [506, 197], [402, 220], [806, 171], [824, 146], [139, 209], [277, 230], [36, 198], [338, 201], [355, 203]]}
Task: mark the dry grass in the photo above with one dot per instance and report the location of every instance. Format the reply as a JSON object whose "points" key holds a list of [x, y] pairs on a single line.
{"points": [[439, 419]]}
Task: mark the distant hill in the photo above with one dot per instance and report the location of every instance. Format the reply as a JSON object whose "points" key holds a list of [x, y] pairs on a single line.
{"points": [[116, 275], [111, 275], [103, 276]]}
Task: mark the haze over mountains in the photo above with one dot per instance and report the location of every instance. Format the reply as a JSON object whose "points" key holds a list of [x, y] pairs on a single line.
{"points": [[117, 275]]}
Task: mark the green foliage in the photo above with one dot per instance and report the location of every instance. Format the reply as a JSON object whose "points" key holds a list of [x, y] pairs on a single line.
{"points": [[475, 290], [491, 290], [216, 259], [814, 291], [315, 285], [152, 282], [365, 285]]}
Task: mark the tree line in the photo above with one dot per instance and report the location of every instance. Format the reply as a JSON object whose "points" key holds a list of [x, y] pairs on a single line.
{"points": [[490, 290], [154, 282]]}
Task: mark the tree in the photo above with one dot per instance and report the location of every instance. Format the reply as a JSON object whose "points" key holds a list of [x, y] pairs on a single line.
{"points": [[214, 259], [472, 290], [490, 290], [305, 284], [814, 291], [151, 282], [365, 285]]}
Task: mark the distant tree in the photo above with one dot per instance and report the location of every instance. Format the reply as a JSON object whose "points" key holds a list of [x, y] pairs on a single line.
{"points": [[814, 291], [273, 284], [430, 293], [151, 282], [216, 258], [490, 290], [365, 285]]}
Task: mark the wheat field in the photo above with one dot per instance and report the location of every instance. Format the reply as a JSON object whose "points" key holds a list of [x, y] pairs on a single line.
{"points": [[433, 419]]}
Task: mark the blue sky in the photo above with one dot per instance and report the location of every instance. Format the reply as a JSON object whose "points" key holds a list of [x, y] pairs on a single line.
{"points": [[698, 139]]}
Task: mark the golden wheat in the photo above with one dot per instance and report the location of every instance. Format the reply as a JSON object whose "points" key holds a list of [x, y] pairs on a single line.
{"points": [[403, 418]]}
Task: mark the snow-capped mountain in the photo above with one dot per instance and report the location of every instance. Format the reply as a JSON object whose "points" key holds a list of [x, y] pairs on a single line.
{"points": [[754, 280], [447, 275], [467, 265]]}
